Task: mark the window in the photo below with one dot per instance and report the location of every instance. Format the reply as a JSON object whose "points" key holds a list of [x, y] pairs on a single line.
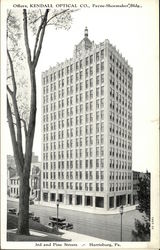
{"points": [[97, 92], [102, 91], [91, 59], [102, 66], [81, 74], [97, 68], [97, 56], [102, 78], [91, 71], [97, 80], [86, 61], [102, 53], [87, 72], [71, 68]]}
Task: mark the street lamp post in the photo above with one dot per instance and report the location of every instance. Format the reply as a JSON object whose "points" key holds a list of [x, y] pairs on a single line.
{"points": [[57, 212], [121, 212]]}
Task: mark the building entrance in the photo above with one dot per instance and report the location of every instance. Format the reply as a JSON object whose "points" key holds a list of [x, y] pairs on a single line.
{"points": [[99, 202], [88, 201]]}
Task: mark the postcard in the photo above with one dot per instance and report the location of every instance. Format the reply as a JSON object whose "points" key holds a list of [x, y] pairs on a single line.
{"points": [[79, 124]]}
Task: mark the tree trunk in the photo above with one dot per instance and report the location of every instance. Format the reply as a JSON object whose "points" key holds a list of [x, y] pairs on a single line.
{"points": [[23, 220]]}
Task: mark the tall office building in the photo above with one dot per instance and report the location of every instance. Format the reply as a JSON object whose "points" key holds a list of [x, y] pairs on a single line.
{"points": [[87, 128]]}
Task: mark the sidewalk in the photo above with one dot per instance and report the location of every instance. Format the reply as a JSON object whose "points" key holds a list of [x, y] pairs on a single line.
{"points": [[79, 237], [96, 210], [42, 236]]}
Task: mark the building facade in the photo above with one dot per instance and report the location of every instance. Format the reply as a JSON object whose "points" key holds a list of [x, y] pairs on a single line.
{"points": [[14, 186], [34, 182], [11, 170], [87, 128]]}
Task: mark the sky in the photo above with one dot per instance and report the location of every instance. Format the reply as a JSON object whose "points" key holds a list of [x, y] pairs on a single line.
{"points": [[133, 32]]}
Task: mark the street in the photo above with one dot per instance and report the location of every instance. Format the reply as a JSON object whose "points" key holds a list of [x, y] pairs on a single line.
{"points": [[106, 227]]}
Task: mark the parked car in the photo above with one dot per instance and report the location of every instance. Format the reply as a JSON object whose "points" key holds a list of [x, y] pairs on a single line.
{"points": [[68, 226], [12, 211], [53, 218], [61, 225], [35, 218]]}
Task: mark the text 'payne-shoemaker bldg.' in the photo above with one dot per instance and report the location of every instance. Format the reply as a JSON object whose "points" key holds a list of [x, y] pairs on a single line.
{"points": [[87, 128]]}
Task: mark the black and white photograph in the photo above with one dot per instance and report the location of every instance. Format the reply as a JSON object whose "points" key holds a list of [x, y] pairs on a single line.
{"points": [[79, 124]]}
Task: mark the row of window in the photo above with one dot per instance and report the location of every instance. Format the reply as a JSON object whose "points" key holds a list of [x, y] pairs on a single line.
{"points": [[118, 109], [120, 131], [77, 175], [69, 153], [120, 175], [119, 187], [70, 185], [78, 164], [119, 65], [118, 164], [120, 142], [123, 85], [14, 182], [120, 153], [88, 186], [119, 74], [89, 152]]}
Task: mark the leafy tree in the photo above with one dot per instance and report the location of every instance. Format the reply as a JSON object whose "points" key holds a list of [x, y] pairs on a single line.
{"points": [[23, 54], [142, 228], [144, 194]]}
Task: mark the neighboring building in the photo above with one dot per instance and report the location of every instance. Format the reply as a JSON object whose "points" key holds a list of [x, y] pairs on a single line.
{"points": [[34, 158], [35, 181], [11, 167], [136, 176], [14, 187], [11, 170], [87, 128]]}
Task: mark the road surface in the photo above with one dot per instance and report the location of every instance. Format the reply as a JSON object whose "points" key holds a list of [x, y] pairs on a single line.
{"points": [[105, 227]]}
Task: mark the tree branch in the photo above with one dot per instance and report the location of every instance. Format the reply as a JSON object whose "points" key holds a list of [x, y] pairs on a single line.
{"points": [[13, 137], [25, 127], [12, 73], [41, 34], [9, 91], [25, 27], [37, 38], [57, 14], [16, 111]]}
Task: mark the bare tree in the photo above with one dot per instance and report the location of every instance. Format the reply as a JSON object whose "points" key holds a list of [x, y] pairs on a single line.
{"points": [[23, 115]]}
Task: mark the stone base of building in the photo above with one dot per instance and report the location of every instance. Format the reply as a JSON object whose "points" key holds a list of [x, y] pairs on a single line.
{"points": [[87, 201]]}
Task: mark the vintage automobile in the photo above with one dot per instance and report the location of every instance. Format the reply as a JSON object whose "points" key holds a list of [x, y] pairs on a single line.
{"points": [[61, 225], [12, 211], [54, 219], [35, 218]]}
